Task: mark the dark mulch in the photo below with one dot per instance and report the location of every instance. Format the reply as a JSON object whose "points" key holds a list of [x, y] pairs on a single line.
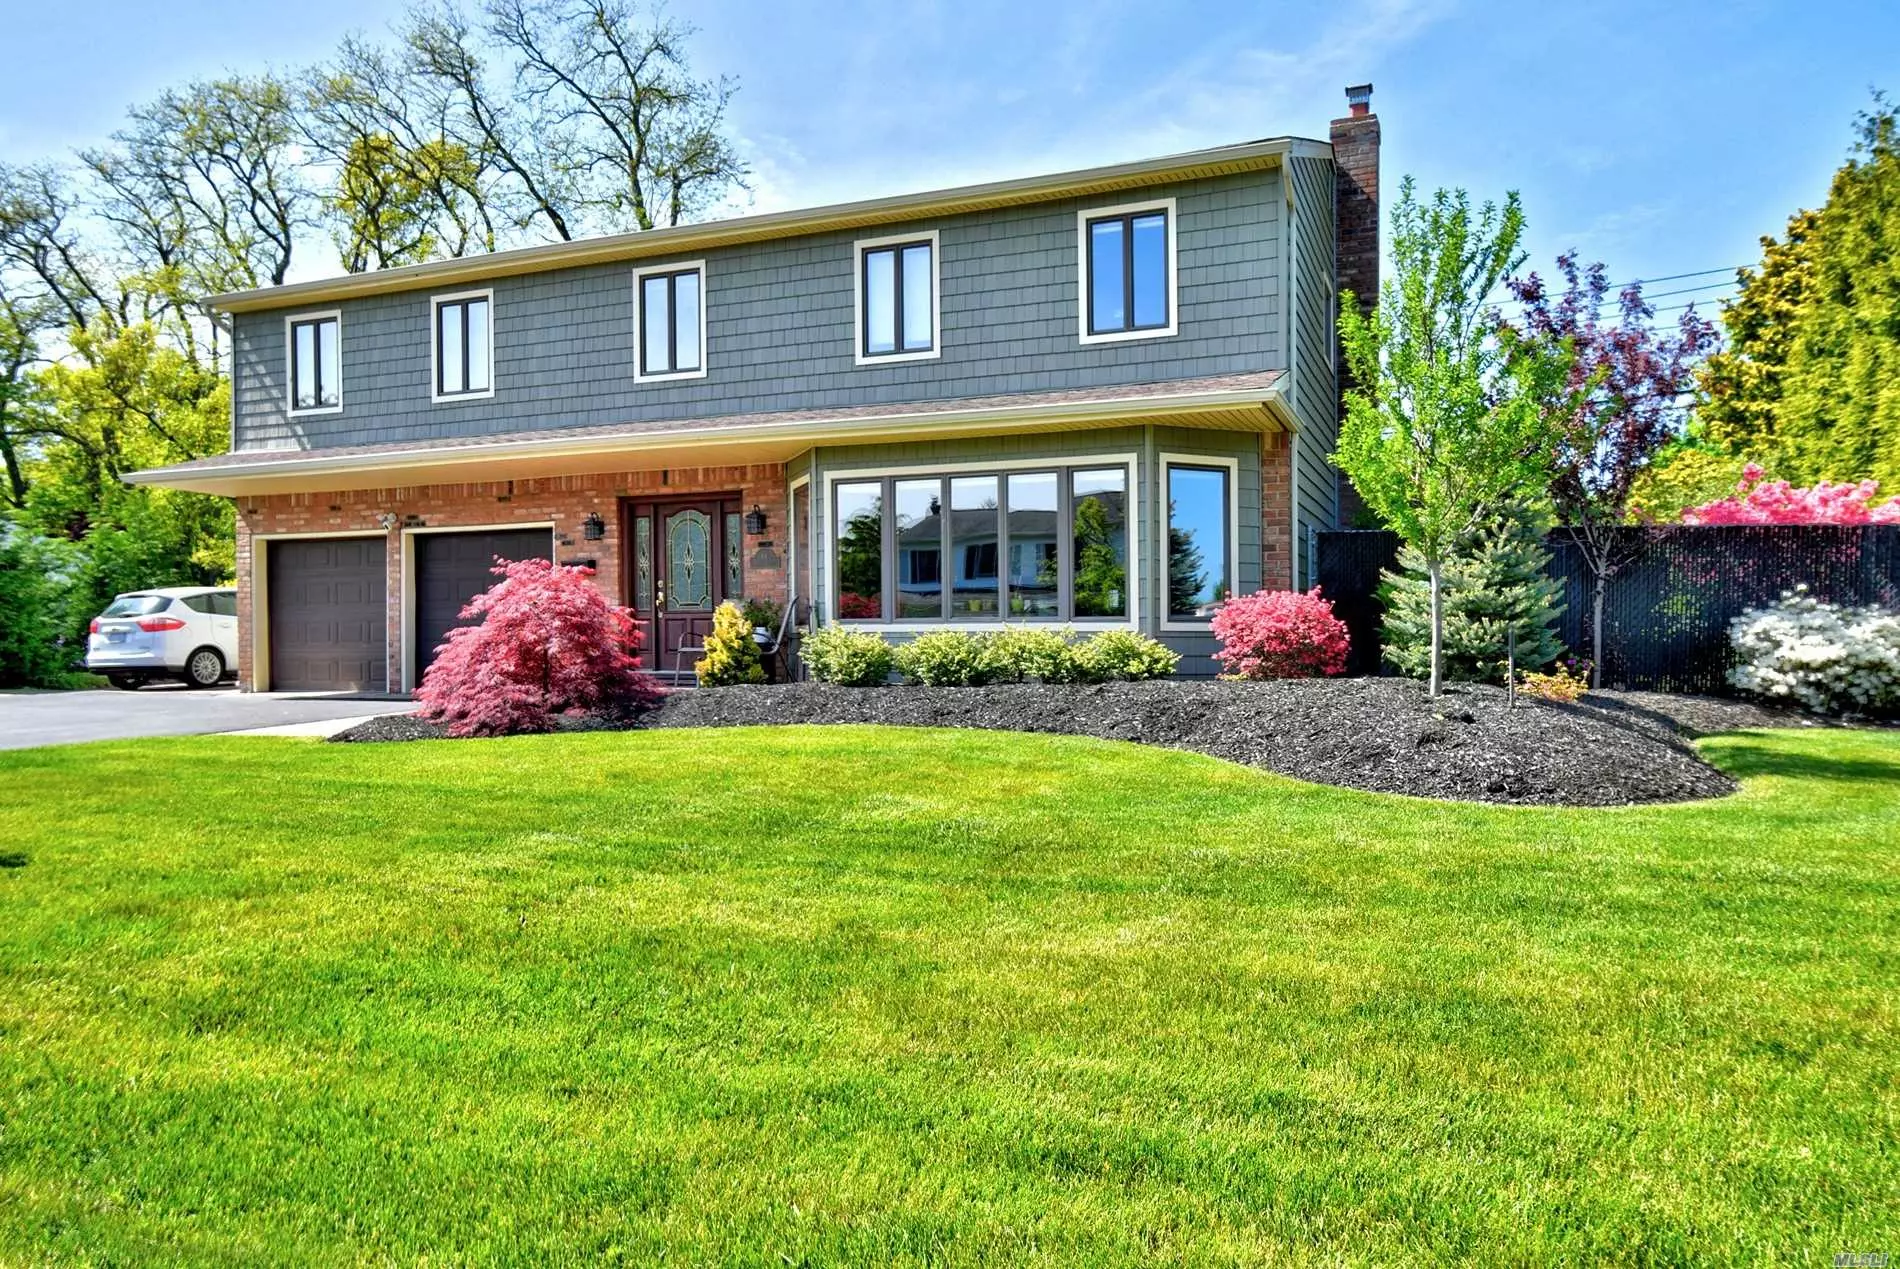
{"points": [[1697, 715], [1385, 735]]}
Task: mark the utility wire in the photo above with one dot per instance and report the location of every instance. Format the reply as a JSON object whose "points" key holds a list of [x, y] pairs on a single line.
{"points": [[1614, 292]]}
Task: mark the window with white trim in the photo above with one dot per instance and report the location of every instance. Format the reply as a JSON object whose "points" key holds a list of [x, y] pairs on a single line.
{"points": [[1128, 272], [897, 298], [316, 362], [464, 346], [1034, 545], [670, 321], [1200, 545]]}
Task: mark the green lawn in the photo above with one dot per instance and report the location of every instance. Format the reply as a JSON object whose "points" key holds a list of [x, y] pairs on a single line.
{"points": [[823, 996]]}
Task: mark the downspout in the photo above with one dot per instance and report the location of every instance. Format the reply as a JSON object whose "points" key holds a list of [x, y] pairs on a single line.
{"points": [[1290, 303]]}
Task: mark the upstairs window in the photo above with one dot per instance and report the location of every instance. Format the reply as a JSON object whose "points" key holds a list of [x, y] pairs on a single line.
{"points": [[670, 321], [1128, 272], [897, 299], [464, 346], [316, 364]]}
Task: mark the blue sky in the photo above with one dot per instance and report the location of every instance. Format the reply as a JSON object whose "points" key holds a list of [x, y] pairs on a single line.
{"points": [[1663, 138]]}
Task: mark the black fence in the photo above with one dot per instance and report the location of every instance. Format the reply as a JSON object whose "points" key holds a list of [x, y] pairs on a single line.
{"points": [[1666, 615]]}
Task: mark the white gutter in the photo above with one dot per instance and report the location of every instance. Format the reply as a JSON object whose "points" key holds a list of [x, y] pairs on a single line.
{"points": [[808, 429]]}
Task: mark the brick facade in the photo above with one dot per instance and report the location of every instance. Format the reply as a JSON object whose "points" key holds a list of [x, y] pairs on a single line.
{"points": [[1355, 141], [566, 501], [1276, 511]]}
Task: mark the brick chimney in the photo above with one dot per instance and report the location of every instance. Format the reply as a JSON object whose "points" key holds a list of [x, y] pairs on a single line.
{"points": [[1355, 141]]}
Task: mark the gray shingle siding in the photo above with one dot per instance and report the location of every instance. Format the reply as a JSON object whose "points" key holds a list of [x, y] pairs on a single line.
{"points": [[780, 329], [1315, 387]]}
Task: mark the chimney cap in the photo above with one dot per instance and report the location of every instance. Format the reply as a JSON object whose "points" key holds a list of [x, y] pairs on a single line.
{"points": [[1359, 99]]}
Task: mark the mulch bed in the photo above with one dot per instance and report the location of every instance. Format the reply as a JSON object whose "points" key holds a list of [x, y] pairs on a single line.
{"points": [[1384, 735]]}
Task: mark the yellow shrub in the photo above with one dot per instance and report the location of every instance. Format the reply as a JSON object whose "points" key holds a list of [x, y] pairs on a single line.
{"points": [[731, 655], [1559, 685]]}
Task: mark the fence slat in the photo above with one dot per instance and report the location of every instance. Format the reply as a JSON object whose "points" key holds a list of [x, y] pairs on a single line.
{"points": [[1667, 614]]}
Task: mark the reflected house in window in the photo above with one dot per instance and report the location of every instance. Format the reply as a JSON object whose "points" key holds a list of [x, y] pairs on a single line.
{"points": [[1096, 399]]}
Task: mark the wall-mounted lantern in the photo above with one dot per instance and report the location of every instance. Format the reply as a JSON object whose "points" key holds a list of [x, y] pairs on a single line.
{"points": [[593, 528], [755, 521]]}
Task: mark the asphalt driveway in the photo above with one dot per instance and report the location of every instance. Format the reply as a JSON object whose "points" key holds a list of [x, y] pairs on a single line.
{"points": [[63, 718]]}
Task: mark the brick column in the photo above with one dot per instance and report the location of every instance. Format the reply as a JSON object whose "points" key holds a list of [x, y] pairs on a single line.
{"points": [[1276, 511], [1355, 141]]}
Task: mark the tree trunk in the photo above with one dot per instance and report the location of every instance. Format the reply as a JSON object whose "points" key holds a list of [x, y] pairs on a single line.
{"points": [[1434, 570], [1596, 629]]}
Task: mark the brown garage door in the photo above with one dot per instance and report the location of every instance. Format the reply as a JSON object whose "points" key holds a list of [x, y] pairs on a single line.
{"points": [[327, 626], [453, 568]]}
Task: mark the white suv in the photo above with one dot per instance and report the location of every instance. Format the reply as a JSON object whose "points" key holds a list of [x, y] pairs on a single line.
{"points": [[177, 632]]}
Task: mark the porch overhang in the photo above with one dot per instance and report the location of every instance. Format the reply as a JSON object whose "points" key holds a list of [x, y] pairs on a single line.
{"points": [[1241, 403]]}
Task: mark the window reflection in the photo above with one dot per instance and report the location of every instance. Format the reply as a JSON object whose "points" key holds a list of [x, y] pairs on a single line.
{"points": [[973, 548], [1198, 548], [919, 513], [860, 550], [1098, 536], [1033, 581]]}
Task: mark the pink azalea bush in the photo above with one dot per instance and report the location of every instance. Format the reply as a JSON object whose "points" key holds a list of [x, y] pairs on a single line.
{"points": [[549, 643], [1280, 634], [1760, 501]]}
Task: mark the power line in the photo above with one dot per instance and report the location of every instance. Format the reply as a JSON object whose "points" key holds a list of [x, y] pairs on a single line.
{"points": [[1689, 290], [1614, 293]]}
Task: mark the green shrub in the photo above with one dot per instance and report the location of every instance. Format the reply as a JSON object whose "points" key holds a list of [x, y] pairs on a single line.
{"points": [[1018, 654], [1125, 655], [731, 655], [946, 658], [849, 658], [35, 611]]}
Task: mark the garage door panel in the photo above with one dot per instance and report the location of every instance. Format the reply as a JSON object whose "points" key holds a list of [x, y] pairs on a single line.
{"points": [[328, 627], [453, 568]]}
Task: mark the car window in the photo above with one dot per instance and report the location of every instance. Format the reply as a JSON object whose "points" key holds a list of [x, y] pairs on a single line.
{"points": [[197, 603], [137, 606], [224, 603]]}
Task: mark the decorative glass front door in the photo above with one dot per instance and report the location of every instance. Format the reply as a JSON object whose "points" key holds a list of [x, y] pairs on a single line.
{"points": [[689, 562], [684, 561]]}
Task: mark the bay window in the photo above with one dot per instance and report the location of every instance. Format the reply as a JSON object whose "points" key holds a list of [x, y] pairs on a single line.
{"points": [[1048, 544]]}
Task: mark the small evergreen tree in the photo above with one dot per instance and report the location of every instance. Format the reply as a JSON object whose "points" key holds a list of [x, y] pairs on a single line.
{"points": [[1494, 582]]}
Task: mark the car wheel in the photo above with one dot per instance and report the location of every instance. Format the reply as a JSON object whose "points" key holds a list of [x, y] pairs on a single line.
{"points": [[125, 682], [204, 668]]}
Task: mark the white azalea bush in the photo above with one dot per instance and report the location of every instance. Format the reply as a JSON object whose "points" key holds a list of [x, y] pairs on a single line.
{"points": [[1830, 658]]}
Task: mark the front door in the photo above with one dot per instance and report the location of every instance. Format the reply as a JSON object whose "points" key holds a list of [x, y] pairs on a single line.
{"points": [[685, 562]]}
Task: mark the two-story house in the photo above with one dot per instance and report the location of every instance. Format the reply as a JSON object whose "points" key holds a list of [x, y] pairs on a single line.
{"points": [[1093, 399]]}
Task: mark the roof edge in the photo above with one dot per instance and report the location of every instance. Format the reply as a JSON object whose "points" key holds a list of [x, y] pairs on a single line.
{"points": [[842, 429], [1249, 155]]}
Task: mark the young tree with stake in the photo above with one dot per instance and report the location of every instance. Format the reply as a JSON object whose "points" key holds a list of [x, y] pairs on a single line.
{"points": [[1448, 417], [1627, 388]]}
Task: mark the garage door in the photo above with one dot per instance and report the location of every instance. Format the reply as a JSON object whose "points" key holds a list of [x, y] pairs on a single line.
{"points": [[453, 568], [327, 627]]}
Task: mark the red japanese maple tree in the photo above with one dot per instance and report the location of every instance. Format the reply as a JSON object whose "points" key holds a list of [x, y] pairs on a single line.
{"points": [[548, 643]]}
